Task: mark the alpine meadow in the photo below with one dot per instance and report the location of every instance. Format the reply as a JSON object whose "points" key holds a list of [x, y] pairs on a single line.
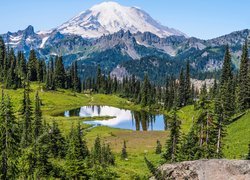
{"points": [[114, 94]]}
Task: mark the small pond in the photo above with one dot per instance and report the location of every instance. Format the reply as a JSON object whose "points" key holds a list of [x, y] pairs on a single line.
{"points": [[121, 118]]}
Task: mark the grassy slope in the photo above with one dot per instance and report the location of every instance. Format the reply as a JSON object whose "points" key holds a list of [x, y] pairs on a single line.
{"points": [[238, 138], [138, 143]]}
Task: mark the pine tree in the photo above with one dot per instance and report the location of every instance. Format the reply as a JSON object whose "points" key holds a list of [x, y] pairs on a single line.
{"points": [[27, 119], [243, 79], [38, 126], [226, 73], [50, 80], [59, 73], [2, 55], [32, 66], [158, 148], [97, 151], [172, 145], [9, 140], [57, 143], [42, 165], [220, 126], [145, 91], [156, 172], [187, 85], [76, 154], [181, 89], [98, 79], [227, 90], [124, 153]]}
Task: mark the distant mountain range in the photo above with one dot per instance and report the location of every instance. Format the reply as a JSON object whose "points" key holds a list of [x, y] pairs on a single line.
{"points": [[125, 41]]}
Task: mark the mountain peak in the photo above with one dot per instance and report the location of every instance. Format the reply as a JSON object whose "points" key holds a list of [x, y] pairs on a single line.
{"points": [[110, 17], [106, 5]]}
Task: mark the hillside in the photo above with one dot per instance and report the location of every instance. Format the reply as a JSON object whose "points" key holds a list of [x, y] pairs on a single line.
{"points": [[138, 143]]}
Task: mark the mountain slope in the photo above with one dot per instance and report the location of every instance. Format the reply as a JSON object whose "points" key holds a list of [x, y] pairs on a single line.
{"points": [[110, 17]]}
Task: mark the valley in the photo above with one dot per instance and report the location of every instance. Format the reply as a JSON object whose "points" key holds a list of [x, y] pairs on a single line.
{"points": [[139, 143], [112, 93]]}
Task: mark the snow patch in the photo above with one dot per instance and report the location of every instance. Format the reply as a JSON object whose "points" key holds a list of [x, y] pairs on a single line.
{"points": [[44, 41], [110, 17]]}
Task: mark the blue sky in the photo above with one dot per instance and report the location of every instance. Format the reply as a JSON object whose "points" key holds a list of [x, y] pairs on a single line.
{"points": [[199, 18]]}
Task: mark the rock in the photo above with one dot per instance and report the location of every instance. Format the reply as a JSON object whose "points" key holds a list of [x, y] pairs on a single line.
{"points": [[214, 169]]}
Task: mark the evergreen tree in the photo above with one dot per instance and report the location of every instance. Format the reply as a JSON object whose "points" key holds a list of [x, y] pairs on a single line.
{"points": [[2, 55], [96, 153], [227, 90], [76, 154], [32, 66], [156, 172], [226, 73], [220, 117], [158, 148], [37, 127], [99, 79], [243, 97], [50, 80], [145, 91], [42, 165], [172, 144], [181, 89], [187, 85], [124, 153], [59, 73], [9, 141], [26, 118], [57, 143]]}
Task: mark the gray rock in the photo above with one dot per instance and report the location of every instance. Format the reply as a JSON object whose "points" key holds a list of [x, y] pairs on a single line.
{"points": [[214, 169]]}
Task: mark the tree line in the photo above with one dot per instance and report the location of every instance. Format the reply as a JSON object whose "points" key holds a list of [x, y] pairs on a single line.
{"points": [[221, 105], [33, 149]]}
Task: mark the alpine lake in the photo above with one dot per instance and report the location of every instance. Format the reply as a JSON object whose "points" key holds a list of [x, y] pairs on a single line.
{"points": [[119, 118]]}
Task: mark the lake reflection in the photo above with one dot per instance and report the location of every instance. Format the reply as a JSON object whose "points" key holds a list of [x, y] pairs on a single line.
{"points": [[124, 119]]}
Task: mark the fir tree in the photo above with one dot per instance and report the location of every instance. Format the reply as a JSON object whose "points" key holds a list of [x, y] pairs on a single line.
{"points": [[172, 144], [124, 153], [187, 85], [227, 90], [59, 73], [37, 127], [2, 55], [9, 141], [181, 89], [158, 148], [157, 173], [42, 165], [145, 91], [243, 79], [27, 119], [220, 126], [96, 153], [32, 66], [57, 143]]}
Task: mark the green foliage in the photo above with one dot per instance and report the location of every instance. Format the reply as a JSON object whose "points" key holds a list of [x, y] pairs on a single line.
{"points": [[244, 80], [173, 143], [124, 153], [57, 143], [157, 173], [9, 140], [158, 148]]}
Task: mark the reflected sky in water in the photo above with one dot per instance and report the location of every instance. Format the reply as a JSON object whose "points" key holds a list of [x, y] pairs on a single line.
{"points": [[124, 119]]}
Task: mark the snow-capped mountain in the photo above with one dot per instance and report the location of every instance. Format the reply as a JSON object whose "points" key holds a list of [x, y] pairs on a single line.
{"points": [[110, 17]]}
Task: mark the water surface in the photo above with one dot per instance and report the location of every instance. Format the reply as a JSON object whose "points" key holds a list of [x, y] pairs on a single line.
{"points": [[123, 119]]}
